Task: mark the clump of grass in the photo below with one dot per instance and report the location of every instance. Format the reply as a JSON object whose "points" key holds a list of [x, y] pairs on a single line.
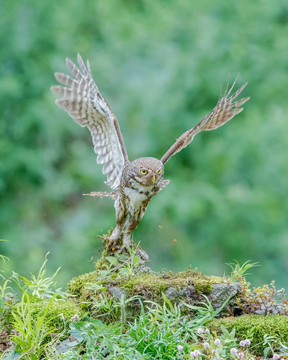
{"points": [[27, 324]]}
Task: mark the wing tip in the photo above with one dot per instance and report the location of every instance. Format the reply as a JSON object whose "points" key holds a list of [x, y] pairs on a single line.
{"points": [[69, 63], [59, 76], [54, 89], [79, 58]]}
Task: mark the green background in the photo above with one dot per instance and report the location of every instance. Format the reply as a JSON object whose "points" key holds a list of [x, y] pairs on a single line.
{"points": [[160, 65]]}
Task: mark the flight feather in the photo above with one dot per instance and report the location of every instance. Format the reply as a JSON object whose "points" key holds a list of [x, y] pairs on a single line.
{"points": [[82, 100]]}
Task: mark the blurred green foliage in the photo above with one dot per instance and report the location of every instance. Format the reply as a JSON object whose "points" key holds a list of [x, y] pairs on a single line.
{"points": [[160, 65]]}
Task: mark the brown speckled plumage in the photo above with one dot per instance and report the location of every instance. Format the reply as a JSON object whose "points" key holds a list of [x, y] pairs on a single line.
{"points": [[133, 183]]}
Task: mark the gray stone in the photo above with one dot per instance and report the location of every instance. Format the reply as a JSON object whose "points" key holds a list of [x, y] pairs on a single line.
{"points": [[218, 295], [116, 292], [221, 292]]}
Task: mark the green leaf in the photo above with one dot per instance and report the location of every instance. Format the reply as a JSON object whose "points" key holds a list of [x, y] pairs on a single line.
{"points": [[124, 271], [135, 261], [12, 356], [112, 260]]}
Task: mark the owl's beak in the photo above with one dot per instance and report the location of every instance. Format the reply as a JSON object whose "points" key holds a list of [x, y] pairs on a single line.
{"points": [[153, 179]]}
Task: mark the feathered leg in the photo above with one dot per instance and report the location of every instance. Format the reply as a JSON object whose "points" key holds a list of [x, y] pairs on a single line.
{"points": [[120, 219]]}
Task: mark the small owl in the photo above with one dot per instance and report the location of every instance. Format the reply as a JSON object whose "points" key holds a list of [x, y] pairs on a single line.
{"points": [[133, 183]]}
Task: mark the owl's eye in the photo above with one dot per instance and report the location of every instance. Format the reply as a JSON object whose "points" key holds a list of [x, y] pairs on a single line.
{"points": [[159, 171], [143, 171]]}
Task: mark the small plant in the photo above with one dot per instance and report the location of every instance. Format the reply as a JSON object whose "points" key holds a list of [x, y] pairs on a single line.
{"points": [[40, 287], [2, 257], [238, 271], [7, 298], [29, 334], [107, 306], [128, 269], [119, 263], [207, 345], [262, 300], [206, 312], [102, 305], [101, 341], [26, 324]]}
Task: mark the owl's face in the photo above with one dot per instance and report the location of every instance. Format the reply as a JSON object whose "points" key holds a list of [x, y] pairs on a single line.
{"points": [[148, 171]]}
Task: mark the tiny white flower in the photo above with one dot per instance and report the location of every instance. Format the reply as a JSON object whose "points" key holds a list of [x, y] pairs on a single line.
{"points": [[233, 351], [200, 331], [206, 345], [180, 347], [75, 318], [247, 342], [217, 342]]}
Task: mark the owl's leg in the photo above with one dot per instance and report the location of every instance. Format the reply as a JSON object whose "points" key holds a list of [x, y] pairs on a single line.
{"points": [[115, 236], [127, 242], [131, 224], [120, 220]]}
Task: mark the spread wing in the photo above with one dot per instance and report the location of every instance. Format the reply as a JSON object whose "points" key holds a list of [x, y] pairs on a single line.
{"points": [[82, 100], [224, 111]]}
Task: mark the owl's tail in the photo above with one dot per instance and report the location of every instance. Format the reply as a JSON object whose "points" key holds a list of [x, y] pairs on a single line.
{"points": [[103, 194]]}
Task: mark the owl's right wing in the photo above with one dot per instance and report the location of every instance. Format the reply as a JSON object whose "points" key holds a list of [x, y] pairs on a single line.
{"points": [[224, 111], [82, 100]]}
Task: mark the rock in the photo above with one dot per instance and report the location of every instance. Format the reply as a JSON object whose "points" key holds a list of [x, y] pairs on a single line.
{"points": [[116, 292], [221, 292]]}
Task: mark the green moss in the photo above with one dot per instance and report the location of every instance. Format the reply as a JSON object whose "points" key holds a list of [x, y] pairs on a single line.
{"points": [[156, 284], [254, 327], [78, 284], [58, 312], [148, 285]]}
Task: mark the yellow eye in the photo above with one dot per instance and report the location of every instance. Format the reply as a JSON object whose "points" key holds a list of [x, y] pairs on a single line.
{"points": [[159, 171], [143, 171]]}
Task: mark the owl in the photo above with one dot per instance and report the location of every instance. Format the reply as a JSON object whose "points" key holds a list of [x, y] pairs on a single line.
{"points": [[133, 183]]}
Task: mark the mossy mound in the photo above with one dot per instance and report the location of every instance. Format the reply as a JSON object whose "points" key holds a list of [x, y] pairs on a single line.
{"points": [[254, 327], [149, 282], [187, 286], [58, 312]]}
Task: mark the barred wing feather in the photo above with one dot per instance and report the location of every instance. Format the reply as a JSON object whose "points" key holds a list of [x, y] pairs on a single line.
{"points": [[82, 100], [224, 111]]}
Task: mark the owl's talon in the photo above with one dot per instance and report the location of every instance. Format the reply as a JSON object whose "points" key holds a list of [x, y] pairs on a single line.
{"points": [[112, 244], [122, 248]]}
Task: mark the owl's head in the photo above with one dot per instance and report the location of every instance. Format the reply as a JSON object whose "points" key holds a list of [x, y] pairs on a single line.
{"points": [[148, 171]]}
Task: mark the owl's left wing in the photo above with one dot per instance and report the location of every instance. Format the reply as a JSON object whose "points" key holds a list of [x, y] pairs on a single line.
{"points": [[224, 111], [82, 100]]}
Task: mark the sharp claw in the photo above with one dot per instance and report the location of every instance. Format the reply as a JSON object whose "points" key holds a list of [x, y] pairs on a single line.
{"points": [[122, 248], [112, 243]]}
